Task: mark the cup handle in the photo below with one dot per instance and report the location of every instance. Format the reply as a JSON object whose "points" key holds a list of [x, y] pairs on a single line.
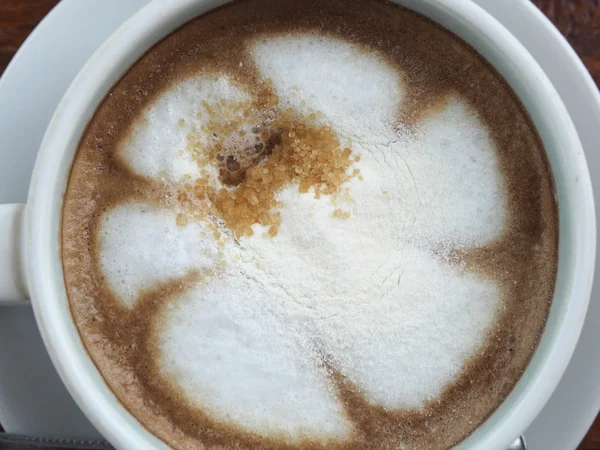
{"points": [[13, 286]]}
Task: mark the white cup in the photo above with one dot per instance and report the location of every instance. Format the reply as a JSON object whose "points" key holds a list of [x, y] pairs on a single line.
{"points": [[30, 234]]}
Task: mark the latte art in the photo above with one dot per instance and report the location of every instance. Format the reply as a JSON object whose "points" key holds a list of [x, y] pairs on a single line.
{"points": [[321, 226]]}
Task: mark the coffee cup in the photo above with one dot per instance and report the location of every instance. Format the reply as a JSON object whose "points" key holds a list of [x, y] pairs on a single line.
{"points": [[30, 234]]}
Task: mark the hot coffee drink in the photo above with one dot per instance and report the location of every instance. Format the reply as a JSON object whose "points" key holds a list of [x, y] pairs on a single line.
{"points": [[310, 224]]}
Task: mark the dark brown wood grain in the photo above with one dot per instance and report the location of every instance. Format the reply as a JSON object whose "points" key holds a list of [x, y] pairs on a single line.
{"points": [[17, 19], [578, 20]]}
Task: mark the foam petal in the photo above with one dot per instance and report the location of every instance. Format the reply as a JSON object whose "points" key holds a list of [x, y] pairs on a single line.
{"points": [[403, 348], [158, 143], [458, 182], [357, 91], [141, 246], [244, 367]]}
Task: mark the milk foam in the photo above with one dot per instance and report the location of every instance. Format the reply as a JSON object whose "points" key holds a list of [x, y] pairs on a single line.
{"points": [[355, 90], [140, 247], [239, 363], [398, 321], [377, 295], [457, 189], [156, 145], [449, 168]]}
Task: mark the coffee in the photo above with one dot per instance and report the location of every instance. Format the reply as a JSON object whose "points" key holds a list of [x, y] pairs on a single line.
{"points": [[315, 224]]}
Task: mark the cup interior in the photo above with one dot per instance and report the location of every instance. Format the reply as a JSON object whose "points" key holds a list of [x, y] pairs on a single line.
{"points": [[468, 21]]}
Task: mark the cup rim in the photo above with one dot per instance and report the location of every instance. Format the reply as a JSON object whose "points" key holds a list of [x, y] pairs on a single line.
{"points": [[42, 248]]}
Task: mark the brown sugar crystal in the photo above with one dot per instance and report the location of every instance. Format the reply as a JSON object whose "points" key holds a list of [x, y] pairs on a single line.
{"points": [[308, 156], [289, 151]]}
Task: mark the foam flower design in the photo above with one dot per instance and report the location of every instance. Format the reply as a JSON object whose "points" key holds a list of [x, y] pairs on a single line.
{"points": [[380, 300]]}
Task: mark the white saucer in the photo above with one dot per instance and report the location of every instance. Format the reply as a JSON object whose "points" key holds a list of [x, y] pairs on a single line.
{"points": [[32, 397]]}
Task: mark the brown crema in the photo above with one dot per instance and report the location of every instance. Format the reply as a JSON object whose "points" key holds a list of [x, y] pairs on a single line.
{"points": [[432, 63]]}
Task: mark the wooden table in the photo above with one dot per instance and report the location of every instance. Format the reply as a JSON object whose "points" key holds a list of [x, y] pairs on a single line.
{"points": [[578, 20]]}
